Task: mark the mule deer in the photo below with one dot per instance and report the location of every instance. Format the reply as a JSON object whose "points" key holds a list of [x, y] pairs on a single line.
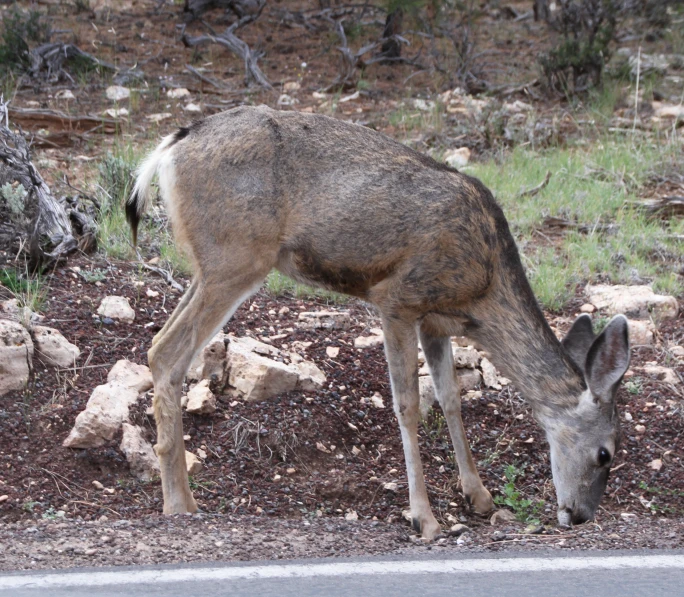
{"points": [[346, 208]]}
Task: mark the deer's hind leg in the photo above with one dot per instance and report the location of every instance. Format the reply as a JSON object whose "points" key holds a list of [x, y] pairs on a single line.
{"points": [[401, 347], [440, 361], [214, 299]]}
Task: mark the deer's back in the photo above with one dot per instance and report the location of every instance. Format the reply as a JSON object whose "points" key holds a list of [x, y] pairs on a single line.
{"points": [[348, 207]]}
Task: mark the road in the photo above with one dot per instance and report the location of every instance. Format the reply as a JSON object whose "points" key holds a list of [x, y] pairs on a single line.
{"points": [[594, 574]]}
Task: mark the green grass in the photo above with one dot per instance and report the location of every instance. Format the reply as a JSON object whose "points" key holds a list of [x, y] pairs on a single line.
{"points": [[29, 291], [279, 284], [590, 185]]}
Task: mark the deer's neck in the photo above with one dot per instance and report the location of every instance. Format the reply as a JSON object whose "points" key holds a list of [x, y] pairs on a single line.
{"points": [[511, 327]]}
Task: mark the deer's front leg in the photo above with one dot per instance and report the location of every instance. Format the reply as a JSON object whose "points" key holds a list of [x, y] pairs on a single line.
{"points": [[401, 346], [440, 360]]}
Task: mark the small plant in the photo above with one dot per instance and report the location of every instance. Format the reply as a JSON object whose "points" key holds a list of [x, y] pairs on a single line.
{"points": [[434, 424], [17, 30], [634, 386], [14, 195], [29, 505], [525, 510], [52, 514], [92, 276]]}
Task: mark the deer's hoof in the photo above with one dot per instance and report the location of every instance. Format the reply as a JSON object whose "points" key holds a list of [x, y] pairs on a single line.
{"points": [[428, 528], [480, 501]]}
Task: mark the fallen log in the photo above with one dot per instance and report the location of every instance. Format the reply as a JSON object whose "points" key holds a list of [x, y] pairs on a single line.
{"points": [[50, 119]]}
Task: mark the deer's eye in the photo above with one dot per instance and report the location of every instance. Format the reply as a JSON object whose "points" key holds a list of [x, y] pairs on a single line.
{"points": [[603, 457]]}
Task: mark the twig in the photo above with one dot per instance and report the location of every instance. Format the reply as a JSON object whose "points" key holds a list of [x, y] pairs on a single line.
{"points": [[168, 278], [204, 78], [534, 190]]}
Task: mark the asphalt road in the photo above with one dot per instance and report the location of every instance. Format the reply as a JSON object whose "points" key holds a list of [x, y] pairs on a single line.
{"points": [[599, 574]]}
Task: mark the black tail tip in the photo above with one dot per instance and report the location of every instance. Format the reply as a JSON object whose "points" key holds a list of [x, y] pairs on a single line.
{"points": [[132, 216]]}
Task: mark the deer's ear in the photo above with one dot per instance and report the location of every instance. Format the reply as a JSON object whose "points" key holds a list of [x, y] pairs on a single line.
{"points": [[608, 359], [579, 339]]}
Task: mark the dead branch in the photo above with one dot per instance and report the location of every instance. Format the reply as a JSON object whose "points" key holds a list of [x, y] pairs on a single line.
{"points": [[534, 190], [39, 119], [663, 207], [49, 219], [229, 40], [164, 274], [204, 78], [50, 59]]}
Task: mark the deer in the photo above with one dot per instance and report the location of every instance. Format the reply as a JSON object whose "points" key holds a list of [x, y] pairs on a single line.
{"points": [[342, 207]]}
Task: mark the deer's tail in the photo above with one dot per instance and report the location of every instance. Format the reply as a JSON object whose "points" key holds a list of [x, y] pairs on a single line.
{"points": [[141, 196]]}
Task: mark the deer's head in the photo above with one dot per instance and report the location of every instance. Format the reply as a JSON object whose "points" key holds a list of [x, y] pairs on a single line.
{"points": [[585, 437]]}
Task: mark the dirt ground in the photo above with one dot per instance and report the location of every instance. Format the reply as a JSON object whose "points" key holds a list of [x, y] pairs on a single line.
{"points": [[253, 508]]}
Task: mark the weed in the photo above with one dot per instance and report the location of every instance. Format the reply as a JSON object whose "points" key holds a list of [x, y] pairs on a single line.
{"points": [[29, 292], [52, 514], [434, 424], [15, 198], [92, 276], [634, 386], [18, 29], [29, 505], [278, 284], [525, 510]]}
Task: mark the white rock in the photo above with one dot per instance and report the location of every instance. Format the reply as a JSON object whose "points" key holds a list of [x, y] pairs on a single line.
{"points": [[468, 379], [104, 414], [489, 374], [54, 347], [116, 112], [664, 374], [368, 341], [201, 400], [427, 394], [637, 302], [390, 486], [423, 105], [65, 94], [311, 378], [324, 320], [466, 357], [193, 108], [517, 107], [193, 464], [116, 93], [211, 362], [143, 461], [116, 307], [377, 401], [628, 516], [177, 93], [677, 351], [252, 345], [457, 158], [10, 309], [640, 332], [291, 86], [587, 308], [502, 517], [287, 100], [257, 378], [656, 464], [131, 375], [159, 117], [332, 351], [669, 111], [16, 354], [351, 515]]}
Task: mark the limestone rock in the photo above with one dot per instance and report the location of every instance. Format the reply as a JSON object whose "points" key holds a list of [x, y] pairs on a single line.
{"points": [[502, 517], [468, 379], [54, 347], [311, 378], [466, 357], [131, 375], [193, 464], [324, 320], [116, 307], [116, 93], [139, 453], [640, 332], [104, 414], [664, 374], [178, 93], [16, 354], [10, 309], [257, 378], [368, 341], [489, 374], [427, 394], [201, 400], [636, 302], [457, 158]]}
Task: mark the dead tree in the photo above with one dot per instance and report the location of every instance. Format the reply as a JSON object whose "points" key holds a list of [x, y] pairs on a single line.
{"points": [[391, 46], [44, 222], [247, 11], [49, 60]]}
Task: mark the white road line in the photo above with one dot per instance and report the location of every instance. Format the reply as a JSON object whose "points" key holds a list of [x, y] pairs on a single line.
{"points": [[214, 573]]}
